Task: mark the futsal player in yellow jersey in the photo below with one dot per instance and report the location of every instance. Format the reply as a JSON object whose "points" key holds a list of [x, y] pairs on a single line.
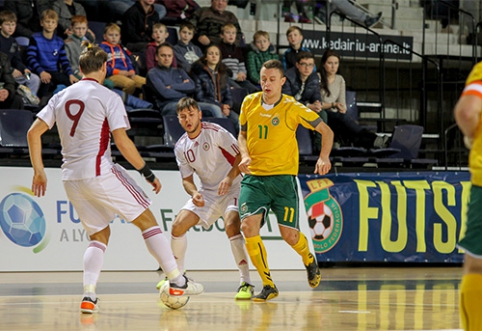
{"points": [[467, 115], [269, 159]]}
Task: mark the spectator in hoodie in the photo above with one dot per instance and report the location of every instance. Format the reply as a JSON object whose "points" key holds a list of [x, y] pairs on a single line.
{"points": [[119, 66], [212, 84], [159, 35], [186, 53], [232, 57], [137, 23], [262, 51]]}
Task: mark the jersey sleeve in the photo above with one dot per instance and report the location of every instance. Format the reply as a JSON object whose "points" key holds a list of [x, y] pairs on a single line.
{"points": [[116, 113], [473, 85], [184, 167], [47, 114], [227, 142], [307, 117]]}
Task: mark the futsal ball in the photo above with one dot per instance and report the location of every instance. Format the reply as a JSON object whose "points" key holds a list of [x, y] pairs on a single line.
{"points": [[172, 301], [320, 220], [22, 220]]}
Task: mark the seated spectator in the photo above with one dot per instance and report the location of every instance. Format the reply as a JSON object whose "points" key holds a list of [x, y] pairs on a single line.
{"points": [[186, 53], [232, 57], [9, 46], [159, 34], [304, 85], [208, 22], [119, 66], [333, 94], [66, 9], [345, 8], [212, 84], [46, 54], [179, 11], [8, 97], [119, 7], [137, 23], [28, 14], [294, 34], [261, 51], [168, 84], [300, 7]]}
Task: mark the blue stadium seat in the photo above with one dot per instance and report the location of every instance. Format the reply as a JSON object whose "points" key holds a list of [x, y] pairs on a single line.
{"points": [[224, 122]]}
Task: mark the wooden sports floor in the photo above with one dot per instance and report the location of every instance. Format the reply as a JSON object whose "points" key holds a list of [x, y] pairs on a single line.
{"points": [[348, 298]]}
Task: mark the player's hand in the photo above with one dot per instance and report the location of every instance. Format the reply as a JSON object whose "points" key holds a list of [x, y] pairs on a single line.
{"points": [[198, 199], [323, 166], [243, 165], [45, 77], [39, 184], [204, 40], [73, 79], [224, 186], [156, 184]]}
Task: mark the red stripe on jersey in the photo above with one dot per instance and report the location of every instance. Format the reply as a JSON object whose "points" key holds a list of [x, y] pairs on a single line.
{"points": [[103, 144], [139, 197], [228, 156], [211, 126], [97, 245], [152, 232], [235, 148]]}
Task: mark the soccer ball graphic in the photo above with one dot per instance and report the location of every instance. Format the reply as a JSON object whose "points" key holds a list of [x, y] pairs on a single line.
{"points": [[22, 220], [320, 220], [171, 301]]}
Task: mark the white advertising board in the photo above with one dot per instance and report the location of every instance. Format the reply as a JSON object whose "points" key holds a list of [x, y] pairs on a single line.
{"points": [[61, 240]]}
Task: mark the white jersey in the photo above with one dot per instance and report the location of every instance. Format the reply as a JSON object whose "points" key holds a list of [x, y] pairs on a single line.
{"points": [[210, 155], [85, 113]]}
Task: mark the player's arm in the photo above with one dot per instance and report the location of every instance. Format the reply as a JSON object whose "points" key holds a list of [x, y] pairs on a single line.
{"points": [[323, 165], [130, 153], [467, 114], [226, 183], [243, 151], [34, 138], [191, 189]]}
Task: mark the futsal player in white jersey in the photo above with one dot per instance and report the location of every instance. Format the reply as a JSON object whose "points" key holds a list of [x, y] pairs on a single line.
{"points": [[212, 153], [86, 114]]}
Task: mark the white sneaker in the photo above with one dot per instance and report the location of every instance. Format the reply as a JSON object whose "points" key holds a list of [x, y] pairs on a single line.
{"points": [[190, 288]]}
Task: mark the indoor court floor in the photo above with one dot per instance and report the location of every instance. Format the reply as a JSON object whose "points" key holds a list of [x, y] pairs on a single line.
{"points": [[348, 298]]}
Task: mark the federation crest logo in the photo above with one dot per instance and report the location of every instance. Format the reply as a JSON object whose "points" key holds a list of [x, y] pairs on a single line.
{"points": [[206, 146], [324, 215], [22, 220], [275, 121], [244, 207]]}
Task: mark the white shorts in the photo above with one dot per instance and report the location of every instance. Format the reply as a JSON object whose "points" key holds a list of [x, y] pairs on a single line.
{"points": [[99, 200], [215, 206]]}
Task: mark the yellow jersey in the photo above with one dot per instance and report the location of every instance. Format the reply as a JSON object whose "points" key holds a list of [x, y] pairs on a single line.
{"points": [[473, 86], [271, 133]]}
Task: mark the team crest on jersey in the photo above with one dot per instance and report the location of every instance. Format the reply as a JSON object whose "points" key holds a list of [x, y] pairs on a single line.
{"points": [[275, 121], [244, 207], [206, 146]]}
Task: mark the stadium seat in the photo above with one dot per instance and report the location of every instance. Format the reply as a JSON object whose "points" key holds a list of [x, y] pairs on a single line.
{"points": [[98, 29], [305, 145], [172, 130], [224, 122], [352, 110], [173, 37], [14, 124]]}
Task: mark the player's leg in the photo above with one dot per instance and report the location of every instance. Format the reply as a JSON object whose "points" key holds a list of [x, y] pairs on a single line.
{"points": [[232, 224], [471, 287], [185, 220], [286, 208]]}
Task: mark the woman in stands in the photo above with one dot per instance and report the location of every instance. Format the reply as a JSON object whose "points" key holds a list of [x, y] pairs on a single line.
{"points": [[333, 91], [212, 84]]}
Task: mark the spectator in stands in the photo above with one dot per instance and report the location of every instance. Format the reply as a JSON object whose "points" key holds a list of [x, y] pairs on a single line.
{"points": [[9, 46], [66, 9], [212, 84], [294, 34], [8, 98], [304, 85], [179, 11], [186, 53], [232, 57], [119, 66], [168, 84], [28, 14], [137, 23], [333, 91], [261, 51], [345, 8], [300, 7], [46, 54], [208, 22], [159, 35], [119, 7]]}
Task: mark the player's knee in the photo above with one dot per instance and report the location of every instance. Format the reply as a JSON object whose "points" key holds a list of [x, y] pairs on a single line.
{"points": [[178, 229], [291, 236]]}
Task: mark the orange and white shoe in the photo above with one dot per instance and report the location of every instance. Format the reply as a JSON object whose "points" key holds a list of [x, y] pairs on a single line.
{"points": [[89, 306], [190, 288]]}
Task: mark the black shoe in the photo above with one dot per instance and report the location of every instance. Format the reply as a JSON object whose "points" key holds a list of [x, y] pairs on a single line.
{"points": [[267, 293], [371, 21], [314, 274], [319, 17]]}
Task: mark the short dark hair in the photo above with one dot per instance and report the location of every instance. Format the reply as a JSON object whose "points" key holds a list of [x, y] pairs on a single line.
{"points": [[166, 44], [7, 16], [274, 64], [304, 55], [188, 103], [92, 58]]}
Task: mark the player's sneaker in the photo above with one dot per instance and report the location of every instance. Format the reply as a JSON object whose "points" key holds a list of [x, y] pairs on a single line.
{"points": [[267, 293], [190, 288], [161, 282], [245, 292], [314, 274], [89, 306]]}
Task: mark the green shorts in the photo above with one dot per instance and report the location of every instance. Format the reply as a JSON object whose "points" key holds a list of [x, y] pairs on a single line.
{"points": [[472, 242], [279, 193]]}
